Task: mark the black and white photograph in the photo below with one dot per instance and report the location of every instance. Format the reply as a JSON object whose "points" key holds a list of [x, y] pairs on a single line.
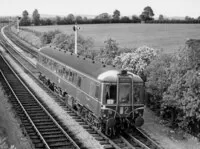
{"points": [[106, 74]]}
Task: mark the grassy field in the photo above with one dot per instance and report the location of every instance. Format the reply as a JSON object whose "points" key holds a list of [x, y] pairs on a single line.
{"points": [[168, 37]]}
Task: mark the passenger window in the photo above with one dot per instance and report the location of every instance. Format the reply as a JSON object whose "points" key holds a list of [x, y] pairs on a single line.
{"points": [[55, 67], [92, 88], [63, 71], [70, 76], [74, 77], [66, 74], [97, 91], [79, 81]]}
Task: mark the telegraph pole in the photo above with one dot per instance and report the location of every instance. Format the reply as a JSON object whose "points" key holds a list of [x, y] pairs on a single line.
{"points": [[18, 19], [75, 28]]}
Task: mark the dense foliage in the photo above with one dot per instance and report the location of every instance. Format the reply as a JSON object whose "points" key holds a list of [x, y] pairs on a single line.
{"points": [[108, 52], [174, 83], [137, 60], [66, 42], [47, 37]]}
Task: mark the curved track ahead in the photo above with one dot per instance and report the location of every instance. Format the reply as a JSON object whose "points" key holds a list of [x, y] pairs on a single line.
{"points": [[43, 130]]}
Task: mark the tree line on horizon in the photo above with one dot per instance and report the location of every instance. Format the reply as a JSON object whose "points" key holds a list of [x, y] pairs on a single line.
{"points": [[147, 16]]}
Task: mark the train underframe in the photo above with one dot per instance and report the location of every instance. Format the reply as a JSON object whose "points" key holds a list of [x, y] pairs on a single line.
{"points": [[109, 126]]}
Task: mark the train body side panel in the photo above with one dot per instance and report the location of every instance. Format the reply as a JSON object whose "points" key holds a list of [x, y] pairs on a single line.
{"points": [[82, 96]]}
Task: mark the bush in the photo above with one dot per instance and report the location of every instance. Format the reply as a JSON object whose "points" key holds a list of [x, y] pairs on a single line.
{"points": [[174, 82], [47, 37], [137, 60], [66, 42]]}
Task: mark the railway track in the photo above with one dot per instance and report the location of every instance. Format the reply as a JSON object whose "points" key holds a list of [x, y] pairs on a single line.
{"points": [[41, 127], [139, 139], [125, 141], [18, 42]]}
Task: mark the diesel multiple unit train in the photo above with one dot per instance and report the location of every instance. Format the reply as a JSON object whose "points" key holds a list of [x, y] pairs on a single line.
{"points": [[108, 98]]}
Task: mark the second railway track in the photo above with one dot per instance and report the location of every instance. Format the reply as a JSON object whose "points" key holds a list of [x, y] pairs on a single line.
{"points": [[43, 130]]}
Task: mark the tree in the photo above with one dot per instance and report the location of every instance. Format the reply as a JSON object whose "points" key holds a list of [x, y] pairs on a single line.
{"points": [[183, 94], [161, 17], [103, 17], [116, 15], [137, 60], [135, 19], [58, 20], [109, 52], [79, 19], [147, 14], [125, 19], [159, 78], [36, 17], [187, 18], [25, 20], [70, 19]]}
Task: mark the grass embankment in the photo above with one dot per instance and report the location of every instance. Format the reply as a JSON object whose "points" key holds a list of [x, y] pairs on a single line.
{"points": [[11, 136], [28, 37]]}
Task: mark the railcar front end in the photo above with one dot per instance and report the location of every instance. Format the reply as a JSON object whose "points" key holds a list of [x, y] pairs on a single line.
{"points": [[122, 105]]}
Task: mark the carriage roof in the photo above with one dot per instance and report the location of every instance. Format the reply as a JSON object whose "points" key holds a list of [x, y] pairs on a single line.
{"points": [[87, 66]]}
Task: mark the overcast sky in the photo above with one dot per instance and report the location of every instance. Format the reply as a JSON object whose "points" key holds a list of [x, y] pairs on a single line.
{"points": [[94, 7]]}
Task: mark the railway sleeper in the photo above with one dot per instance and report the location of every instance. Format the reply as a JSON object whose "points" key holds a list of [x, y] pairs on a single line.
{"points": [[60, 144], [50, 130], [47, 124], [56, 135]]}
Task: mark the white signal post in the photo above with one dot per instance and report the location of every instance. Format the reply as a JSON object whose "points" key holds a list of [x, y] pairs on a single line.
{"points": [[18, 19], [75, 28]]}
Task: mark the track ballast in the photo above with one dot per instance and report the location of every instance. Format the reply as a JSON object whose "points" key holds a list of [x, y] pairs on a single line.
{"points": [[39, 124]]}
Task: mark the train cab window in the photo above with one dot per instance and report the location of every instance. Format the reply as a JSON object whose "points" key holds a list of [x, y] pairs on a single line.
{"points": [[97, 92], [138, 94], [111, 93], [124, 93], [79, 81]]}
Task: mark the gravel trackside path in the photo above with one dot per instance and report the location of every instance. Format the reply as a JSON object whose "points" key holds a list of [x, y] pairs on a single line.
{"points": [[166, 137]]}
